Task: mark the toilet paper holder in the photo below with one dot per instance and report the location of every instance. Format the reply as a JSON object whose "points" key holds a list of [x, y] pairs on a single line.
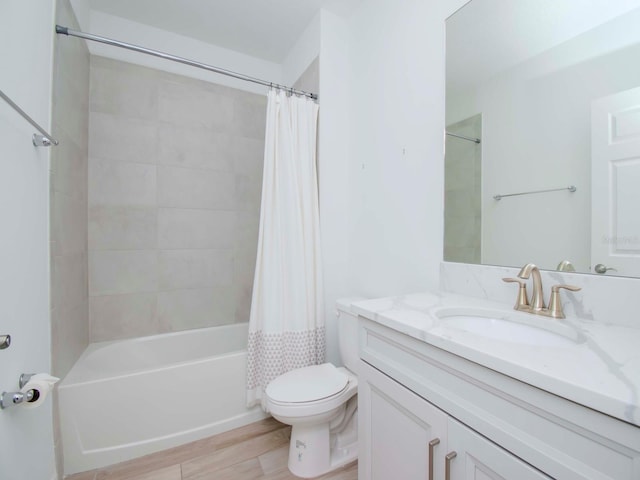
{"points": [[8, 399]]}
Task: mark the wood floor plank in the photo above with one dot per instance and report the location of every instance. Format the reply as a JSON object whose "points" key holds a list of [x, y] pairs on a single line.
{"points": [[274, 460], [247, 470], [82, 476], [201, 467], [254, 452]]}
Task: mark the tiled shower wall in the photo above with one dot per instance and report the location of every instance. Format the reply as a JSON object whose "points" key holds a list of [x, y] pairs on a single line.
{"points": [[175, 176], [68, 192], [462, 196], [68, 215]]}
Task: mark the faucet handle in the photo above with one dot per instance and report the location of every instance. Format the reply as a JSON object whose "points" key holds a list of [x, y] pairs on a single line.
{"points": [[522, 302], [555, 305], [572, 288]]}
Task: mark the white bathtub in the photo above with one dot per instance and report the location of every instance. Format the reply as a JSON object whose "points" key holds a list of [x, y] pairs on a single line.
{"points": [[128, 398]]}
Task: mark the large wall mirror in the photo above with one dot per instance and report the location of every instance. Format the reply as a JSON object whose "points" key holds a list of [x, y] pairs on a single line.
{"points": [[542, 156]]}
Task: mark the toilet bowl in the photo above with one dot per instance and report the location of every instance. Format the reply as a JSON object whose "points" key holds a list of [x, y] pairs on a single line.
{"points": [[320, 404]]}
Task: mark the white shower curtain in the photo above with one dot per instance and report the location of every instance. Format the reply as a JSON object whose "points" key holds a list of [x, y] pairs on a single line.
{"points": [[286, 326]]}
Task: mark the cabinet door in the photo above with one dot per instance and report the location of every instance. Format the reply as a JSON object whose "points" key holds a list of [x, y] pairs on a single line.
{"points": [[477, 458], [396, 427]]}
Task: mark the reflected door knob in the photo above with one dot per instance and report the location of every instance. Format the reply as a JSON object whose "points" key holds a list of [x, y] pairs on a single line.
{"points": [[601, 268]]}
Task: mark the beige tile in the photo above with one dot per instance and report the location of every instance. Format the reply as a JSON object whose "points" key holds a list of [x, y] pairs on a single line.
{"points": [[121, 184], [189, 106], [69, 336], [122, 271], [242, 298], [195, 147], [183, 269], [122, 228], [123, 89], [185, 229], [202, 467], [195, 308], [68, 225], [243, 277], [71, 102], [248, 193], [250, 115], [69, 280], [69, 167], [195, 188], [247, 229], [248, 156], [122, 316], [113, 137]]}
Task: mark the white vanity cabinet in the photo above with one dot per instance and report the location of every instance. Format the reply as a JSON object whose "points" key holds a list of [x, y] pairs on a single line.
{"points": [[406, 437], [477, 458], [412, 393], [401, 433]]}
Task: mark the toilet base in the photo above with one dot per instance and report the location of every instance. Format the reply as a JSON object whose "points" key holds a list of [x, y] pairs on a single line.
{"points": [[314, 451]]}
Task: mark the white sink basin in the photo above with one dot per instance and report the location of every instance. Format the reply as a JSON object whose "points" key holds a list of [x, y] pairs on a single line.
{"points": [[505, 326]]}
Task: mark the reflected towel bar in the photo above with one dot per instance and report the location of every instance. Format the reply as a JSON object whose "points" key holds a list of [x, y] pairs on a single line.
{"points": [[463, 137], [42, 140], [571, 188]]}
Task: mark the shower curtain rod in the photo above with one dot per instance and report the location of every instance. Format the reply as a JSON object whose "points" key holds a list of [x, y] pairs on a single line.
{"points": [[108, 41], [471, 139]]}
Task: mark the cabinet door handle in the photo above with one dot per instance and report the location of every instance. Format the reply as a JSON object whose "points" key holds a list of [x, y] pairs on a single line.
{"points": [[447, 464], [432, 444]]}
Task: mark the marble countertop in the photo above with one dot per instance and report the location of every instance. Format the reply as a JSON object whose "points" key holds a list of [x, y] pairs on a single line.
{"points": [[596, 365]]}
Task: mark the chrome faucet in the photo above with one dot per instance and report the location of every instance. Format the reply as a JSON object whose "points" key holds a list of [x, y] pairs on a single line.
{"points": [[537, 296]]}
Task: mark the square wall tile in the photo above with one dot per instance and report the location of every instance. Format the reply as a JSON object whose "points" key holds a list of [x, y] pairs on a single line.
{"points": [[196, 308], [122, 316], [195, 147], [182, 269], [188, 106], [122, 228], [123, 89], [190, 229], [191, 188], [121, 184], [113, 137], [122, 271]]}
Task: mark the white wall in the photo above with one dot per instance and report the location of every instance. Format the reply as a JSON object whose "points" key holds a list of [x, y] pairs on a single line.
{"points": [[333, 174], [26, 436], [303, 52], [143, 35], [396, 165]]}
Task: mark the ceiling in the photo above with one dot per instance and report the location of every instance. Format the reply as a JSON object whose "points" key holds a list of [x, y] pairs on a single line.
{"points": [[265, 29]]}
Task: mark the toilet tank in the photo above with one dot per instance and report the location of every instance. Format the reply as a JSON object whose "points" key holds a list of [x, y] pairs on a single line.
{"points": [[348, 333]]}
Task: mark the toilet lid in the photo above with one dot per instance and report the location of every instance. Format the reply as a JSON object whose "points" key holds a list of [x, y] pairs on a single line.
{"points": [[307, 384]]}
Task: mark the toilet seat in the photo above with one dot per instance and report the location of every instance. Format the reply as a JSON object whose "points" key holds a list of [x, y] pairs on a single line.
{"points": [[307, 385], [342, 392]]}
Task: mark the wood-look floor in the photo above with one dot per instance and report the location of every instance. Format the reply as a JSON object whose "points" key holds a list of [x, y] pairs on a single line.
{"points": [[255, 452]]}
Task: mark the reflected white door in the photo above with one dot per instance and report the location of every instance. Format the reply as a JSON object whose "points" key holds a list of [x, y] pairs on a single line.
{"points": [[615, 182]]}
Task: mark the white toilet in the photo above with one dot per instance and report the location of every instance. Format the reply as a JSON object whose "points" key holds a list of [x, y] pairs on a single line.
{"points": [[320, 404]]}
